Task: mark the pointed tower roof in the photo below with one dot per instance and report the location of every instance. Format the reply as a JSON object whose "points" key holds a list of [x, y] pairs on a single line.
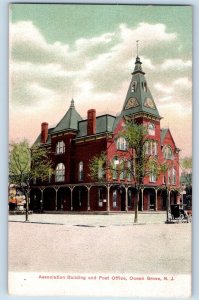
{"points": [[139, 98], [70, 119]]}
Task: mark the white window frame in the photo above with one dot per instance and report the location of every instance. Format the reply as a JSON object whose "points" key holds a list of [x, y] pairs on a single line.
{"points": [[60, 172], [60, 147], [151, 129], [166, 153], [121, 144], [81, 171]]}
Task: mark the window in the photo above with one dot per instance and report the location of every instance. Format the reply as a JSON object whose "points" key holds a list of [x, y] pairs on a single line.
{"points": [[100, 170], [152, 177], [100, 197], [151, 129], [121, 144], [133, 86], [151, 147], [168, 153], [81, 170], [60, 172], [129, 170], [144, 86], [115, 164], [122, 169], [60, 147], [173, 176], [115, 198], [169, 176]]}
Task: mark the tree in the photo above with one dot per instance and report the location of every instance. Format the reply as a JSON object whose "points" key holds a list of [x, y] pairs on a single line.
{"points": [[140, 163], [186, 178], [27, 164]]}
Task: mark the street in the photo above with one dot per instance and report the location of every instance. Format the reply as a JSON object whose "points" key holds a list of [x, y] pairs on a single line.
{"points": [[99, 243]]}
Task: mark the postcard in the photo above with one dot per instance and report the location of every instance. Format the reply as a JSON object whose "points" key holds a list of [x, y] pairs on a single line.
{"points": [[100, 150]]}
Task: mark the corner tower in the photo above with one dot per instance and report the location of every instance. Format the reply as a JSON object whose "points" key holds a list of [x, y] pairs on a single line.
{"points": [[139, 101]]}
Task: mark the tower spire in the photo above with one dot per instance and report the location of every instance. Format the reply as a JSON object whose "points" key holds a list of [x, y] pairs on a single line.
{"points": [[137, 42]]}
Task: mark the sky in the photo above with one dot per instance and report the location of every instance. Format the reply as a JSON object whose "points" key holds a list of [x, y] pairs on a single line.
{"points": [[87, 52]]}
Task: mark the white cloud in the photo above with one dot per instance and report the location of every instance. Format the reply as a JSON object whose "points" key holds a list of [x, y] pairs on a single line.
{"points": [[183, 83], [175, 64], [95, 71]]}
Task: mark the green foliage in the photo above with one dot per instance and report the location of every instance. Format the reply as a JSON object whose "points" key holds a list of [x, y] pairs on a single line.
{"points": [[27, 163], [97, 167]]}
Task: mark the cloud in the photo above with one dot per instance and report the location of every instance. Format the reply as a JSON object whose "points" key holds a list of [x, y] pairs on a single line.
{"points": [[175, 64], [95, 71]]}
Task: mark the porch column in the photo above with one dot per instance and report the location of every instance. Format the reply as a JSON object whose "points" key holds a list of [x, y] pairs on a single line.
{"points": [[108, 198], [169, 199], [126, 198], [71, 198], [88, 200], [56, 199], [142, 192], [156, 199]]}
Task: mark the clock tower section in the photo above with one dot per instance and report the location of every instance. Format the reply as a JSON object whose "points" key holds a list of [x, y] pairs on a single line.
{"points": [[139, 102], [139, 105]]}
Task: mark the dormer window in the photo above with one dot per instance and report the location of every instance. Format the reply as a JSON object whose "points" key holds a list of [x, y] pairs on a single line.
{"points": [[60, 147], [151, 129], [168, 153], [133, 86]]}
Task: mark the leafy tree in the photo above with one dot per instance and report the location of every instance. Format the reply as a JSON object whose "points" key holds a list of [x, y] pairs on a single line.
{"points": [[186, 166], [140, 163], [27, 164]]}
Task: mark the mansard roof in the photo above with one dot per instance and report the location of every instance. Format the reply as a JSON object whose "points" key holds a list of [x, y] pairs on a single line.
{"points": [[139, 98], [104, 123], [69, 121]]}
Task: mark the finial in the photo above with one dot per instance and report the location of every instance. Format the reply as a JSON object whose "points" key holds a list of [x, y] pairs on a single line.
{"points": [[137, 47], [72, 103]]}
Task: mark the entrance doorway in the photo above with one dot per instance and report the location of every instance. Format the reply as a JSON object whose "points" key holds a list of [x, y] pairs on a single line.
{"points": [[152, 202]]}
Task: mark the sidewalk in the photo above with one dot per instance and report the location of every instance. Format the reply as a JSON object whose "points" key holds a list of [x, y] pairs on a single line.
{"points": [[121, 219]]}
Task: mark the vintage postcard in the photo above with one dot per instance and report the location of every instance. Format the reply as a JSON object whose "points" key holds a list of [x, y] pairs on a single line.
{"points": [[100, 150]]}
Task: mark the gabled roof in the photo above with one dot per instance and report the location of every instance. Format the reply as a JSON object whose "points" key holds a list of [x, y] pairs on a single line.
{"points": [[139, 98], [163, 133], [69, 121]]}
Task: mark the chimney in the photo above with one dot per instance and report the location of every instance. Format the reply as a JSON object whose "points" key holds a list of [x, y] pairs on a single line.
{"points": [[44, 132], [91, 122]]}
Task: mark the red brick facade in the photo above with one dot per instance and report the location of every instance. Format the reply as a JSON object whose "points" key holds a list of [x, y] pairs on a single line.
{"points": [[73, 142]]}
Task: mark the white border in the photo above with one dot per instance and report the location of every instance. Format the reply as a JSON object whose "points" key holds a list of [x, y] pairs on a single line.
{"points": [[4, 134]]}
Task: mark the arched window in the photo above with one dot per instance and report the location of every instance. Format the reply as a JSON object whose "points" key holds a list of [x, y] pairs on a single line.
{"points": [[133, 86], [121, 144], [168, 153], [60, 172], [151, 129], [60, 147], [81, 170]]}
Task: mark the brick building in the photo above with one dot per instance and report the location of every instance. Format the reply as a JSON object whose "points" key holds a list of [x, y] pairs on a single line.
{"points": [[74, 141]]}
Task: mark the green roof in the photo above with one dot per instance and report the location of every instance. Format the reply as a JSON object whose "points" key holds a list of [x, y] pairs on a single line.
{"points": [[69, 121], [139, 98], [104, 123], [163, 133]]}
